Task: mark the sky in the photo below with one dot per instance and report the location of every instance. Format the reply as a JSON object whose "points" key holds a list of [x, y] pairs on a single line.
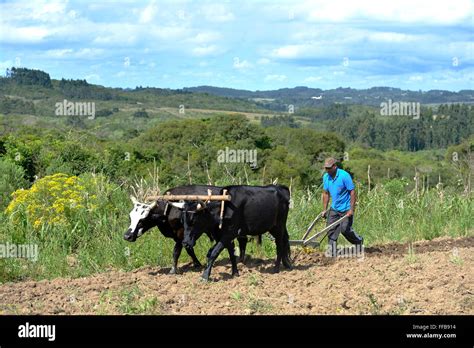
{"points": [[253, 45]]}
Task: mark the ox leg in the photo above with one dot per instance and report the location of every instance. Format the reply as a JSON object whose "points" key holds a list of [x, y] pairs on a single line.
{"points": [[210, 251], [216, 250], [242, 246], [287, 250], [233, 260], [280, 249], [176, 252], [196, 263]]}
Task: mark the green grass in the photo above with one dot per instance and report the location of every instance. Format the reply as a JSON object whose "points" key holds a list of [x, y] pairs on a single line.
{"points": [[130, 300], [95, 243]]}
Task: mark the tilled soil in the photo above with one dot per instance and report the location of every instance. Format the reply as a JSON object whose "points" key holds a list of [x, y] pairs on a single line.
{"points": [[435, 277]]}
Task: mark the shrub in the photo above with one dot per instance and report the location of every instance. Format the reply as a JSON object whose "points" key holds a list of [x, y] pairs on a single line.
{"points": [[12, 177], [54, 200], [141, 113]]}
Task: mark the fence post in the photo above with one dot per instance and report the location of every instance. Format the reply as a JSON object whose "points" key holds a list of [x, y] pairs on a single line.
{"points": [[368, 176]]}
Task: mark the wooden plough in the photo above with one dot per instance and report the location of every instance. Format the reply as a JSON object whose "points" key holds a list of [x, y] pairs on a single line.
{"points": [[313, 241]]}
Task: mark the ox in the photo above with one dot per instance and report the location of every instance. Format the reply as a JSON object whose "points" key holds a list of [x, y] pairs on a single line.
{"points": [[252, 210]]}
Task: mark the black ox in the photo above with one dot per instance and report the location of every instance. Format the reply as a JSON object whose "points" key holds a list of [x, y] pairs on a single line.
{"points": [[253, 210]]}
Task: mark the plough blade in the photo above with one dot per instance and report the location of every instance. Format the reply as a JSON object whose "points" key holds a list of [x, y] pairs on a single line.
{"points": [[312, 244]]}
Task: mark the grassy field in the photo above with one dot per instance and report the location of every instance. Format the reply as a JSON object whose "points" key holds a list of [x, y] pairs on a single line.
{"points": [[91, 240]]}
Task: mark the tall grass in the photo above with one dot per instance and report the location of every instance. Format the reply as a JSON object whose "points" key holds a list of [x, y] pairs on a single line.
{"points": [[95, 242], [382, 216]]}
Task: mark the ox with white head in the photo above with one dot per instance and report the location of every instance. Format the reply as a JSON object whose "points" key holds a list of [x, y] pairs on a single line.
{"points": [[141, 219]]}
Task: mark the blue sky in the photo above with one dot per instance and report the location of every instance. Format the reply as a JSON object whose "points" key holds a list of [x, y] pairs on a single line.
{"points": [[255, 45]]}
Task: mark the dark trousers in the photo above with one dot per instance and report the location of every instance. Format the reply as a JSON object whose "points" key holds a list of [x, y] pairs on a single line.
{"points": [[345, 227]]}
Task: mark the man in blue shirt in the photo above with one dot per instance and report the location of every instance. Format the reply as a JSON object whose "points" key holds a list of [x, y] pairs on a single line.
{"points": [[338, 184]]}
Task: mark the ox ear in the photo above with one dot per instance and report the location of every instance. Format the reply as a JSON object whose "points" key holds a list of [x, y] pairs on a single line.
{"points": [[200, 206], [134, 200], [178, 205]]}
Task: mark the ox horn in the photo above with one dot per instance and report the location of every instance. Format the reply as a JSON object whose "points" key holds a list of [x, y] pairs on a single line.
{"points": [[134, 200], [201, 205], [179, 205]]}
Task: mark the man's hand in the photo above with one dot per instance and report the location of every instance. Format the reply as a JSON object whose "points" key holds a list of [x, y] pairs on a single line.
{"points": [[324, 213], [350, 212]]}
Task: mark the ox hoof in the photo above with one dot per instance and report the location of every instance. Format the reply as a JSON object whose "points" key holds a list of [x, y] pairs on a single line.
{"points": [[197, 266], [288, 265], [235, 274]]}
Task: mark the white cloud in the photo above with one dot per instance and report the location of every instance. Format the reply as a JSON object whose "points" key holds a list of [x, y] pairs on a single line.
{"points": [[415, 78], [311, 79], [391, 37], [93, 78], [148, 13], [401, 11], [7, 64], [217, 13], [118, 38], [382, 39], [205, 37], [241, 65], [41, 10], [67, 53], [30, 34], [305, 50], [59, 53], [279, 78], [205, 50], [166, 33]]}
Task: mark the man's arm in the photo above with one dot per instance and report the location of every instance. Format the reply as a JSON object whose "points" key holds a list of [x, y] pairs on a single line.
{"points": [[353, 203], [325, 202]]}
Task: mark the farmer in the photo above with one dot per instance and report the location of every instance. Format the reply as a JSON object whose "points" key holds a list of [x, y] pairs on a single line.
{"points": [[338, 183]]}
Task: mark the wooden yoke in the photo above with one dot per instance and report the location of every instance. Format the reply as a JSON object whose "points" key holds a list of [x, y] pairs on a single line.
{"points": [[224, 197], [221, 216]]}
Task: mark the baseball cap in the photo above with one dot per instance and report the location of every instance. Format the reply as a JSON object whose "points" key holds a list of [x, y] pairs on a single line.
{"points": [[329, 162]]}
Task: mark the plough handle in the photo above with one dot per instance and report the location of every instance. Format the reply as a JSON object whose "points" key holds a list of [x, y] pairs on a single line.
{"points": [[312, 225], [324, 230]]}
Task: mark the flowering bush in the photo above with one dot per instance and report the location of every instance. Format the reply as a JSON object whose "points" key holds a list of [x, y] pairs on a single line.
{"points": [[55, 200]]}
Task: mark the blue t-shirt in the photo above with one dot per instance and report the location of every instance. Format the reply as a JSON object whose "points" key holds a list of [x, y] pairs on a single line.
{"points": [[339, 188]]}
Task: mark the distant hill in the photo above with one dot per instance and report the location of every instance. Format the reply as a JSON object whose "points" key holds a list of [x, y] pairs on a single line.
{"points": [[315, 97], [31, 98], [36, 84]]}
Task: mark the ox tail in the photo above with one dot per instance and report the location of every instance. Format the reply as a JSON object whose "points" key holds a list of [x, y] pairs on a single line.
{"points": [[286, 245]]}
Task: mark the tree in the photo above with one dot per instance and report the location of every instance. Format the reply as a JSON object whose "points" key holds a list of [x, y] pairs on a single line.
{"points": [[141, 113]]}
